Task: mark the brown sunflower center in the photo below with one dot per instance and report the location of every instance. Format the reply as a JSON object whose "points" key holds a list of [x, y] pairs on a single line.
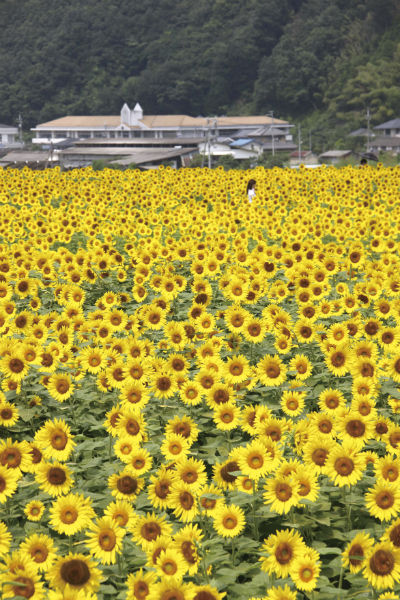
{"points": [[283, 492], [229, 521], [127, 485], [11, 457], [150, 531], [59, 439], [356, 554], [29, 587], [384, 499], [355, 428], [56, 476], [227, 469], [319, 456], [381, 562], [68, 515], [284, 553], [107, 539], [75, 572], [344, 466]]}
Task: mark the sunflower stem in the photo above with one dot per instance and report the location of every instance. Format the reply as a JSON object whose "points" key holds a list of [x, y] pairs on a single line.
{"points": [[340, 583], [233, 551], [255, 526]]}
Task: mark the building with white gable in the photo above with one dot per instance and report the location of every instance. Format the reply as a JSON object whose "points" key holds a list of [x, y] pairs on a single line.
{"points": [[133, 123]]}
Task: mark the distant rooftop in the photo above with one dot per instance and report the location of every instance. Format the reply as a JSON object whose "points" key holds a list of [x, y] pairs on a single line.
{"points": [[393, 124], [136, 119]]}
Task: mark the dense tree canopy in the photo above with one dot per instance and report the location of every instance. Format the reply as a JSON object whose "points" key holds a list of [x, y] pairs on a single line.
{"points": [[204, 57]]}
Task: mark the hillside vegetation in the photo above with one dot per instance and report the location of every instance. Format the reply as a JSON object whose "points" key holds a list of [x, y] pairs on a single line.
{"points": [[322, 60]]}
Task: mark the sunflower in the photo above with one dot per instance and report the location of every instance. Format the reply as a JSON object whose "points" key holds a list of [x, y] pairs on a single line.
{"points": [[171, 590], [125, 485], [281, 493], [237, 369], [160, 487], [304, 330], [383, 500], [394, 367], [15, 455], [387, 468], [93, 360], [254, 461], [185, 426], [60, 386], [191, 472], [131, 424], [280, 593], [280, 550], [9, 414], [104, 540], [344, 466], [170, 565], [71, 513], [382, 565], [292, 402], [163, 385], [236, 318], [124, 447], [227, 416], [174, 446], [210, 499], [148, 527], [40, 549], [140, 461], [271, 371], [121, 512], [229, 521], [305, 570], [338, 360], [254, 330], [139, 584], [191, 393], [183, 501], [22, 582], [5, 539], [14, 366], [176, 335], [354, 554], [55, 440], [187, 541], [355, 428], [316, 452], [331, 401], [34, 510], [75, 572], [54, 478]]}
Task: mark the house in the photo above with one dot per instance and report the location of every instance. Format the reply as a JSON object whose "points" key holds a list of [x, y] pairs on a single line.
{"points": [[34, 159], [333, 157], [390, 128], [304, 157], [76, 157], [133, 124], [222, 146], [9, 137], [386, 143]]}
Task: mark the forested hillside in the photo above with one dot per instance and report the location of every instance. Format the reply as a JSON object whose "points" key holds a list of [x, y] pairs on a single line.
{"points": [[299, 58]]}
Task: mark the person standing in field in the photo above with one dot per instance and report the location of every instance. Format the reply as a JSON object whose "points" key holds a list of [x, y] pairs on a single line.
{"points": [[251, 190]]}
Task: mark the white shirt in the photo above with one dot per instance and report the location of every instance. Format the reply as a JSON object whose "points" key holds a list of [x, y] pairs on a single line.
{"points": [[251, 194]]}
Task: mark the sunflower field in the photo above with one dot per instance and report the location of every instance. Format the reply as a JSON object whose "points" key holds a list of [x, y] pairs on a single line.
{"points": [[200, 397]]}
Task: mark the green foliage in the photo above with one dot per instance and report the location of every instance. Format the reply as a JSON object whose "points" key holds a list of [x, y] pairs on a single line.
{"points": [[298, 57]]}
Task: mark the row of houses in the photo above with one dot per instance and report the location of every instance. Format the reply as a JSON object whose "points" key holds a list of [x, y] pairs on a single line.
{"points": [[147, 141]]}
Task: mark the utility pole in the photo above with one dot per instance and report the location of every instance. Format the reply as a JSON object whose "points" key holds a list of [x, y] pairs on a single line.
{"points": [[19, 122], [299, 141], [271, 114], [368, 117]]}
